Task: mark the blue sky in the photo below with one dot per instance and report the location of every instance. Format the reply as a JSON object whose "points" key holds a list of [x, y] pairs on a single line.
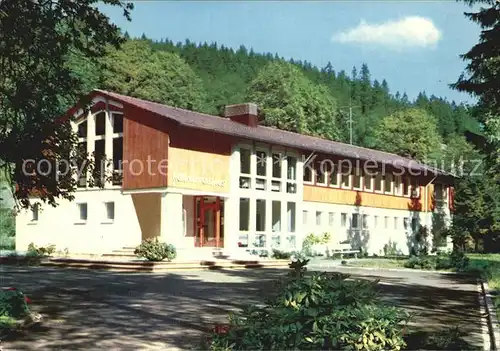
{"points": [[414, 45]]}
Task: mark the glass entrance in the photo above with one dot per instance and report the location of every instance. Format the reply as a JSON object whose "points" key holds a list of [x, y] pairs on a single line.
{"points": [[209, 230]]}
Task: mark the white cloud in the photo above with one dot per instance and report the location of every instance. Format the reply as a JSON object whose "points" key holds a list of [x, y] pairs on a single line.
{"points": [[405, 33]]}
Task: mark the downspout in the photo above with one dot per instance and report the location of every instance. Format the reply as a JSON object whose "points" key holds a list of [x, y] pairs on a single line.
{"points": [[427, 200]]}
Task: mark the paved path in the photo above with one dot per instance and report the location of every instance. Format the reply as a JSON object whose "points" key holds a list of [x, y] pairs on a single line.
{"points": [[130, 311]]}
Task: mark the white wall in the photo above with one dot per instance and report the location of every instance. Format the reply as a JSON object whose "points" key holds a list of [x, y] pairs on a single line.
{"points": [[61, 226]]}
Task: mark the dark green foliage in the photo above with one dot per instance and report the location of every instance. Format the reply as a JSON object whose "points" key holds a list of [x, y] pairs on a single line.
{"points": [[154, 250], [450, 338], [419, 262], [281, 255], [317, 312], [7, 229], [459, 260], [13, 304]]}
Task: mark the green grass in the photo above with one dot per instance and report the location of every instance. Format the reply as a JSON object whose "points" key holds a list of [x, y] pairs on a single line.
{"points": [[492, 264]]}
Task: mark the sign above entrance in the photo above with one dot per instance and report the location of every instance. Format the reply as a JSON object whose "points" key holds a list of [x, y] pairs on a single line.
{"points": [[183, 178]]}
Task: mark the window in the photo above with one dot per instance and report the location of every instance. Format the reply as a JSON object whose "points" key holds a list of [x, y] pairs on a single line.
{"points": [[291, 216], [334, 176], [368, 182], [277, 165], [82, 129], [398, 186], [438, 192], [386, 222], [276, 216], [245, 161], [365, 221], [406, 223], [396, 223], [304, 217], [34, 212], [343, 220], [320, 174], [100, 123], [331, 218], [388, 184], [375, 222], [415, 189], [345, 178], [356, 179], [318, 217], [307, 174], [99, 171], [82, 211], [406, 186], [82, 164], [244, 214], [261, 160], [117, 123], [117, 160], [378, 182], [109, 207], [291, 168], [260, 215], [355, 221]]}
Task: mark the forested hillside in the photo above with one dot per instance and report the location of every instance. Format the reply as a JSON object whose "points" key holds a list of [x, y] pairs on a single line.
{"points": [[227, 74], [293, 95]]}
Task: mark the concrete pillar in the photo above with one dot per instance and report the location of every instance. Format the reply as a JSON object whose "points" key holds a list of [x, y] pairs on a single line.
{"points": [[171, 228]]}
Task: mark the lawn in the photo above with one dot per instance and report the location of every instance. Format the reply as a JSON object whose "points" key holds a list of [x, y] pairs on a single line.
{"points": [[492, 262], [378, 262]]}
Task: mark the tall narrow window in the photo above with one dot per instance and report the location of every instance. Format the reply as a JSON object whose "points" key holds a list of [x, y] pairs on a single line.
{"points": [[396, 225], [356, 179], [291, 168], [34, 212], [291, 216], [117, 123], [260, 215], [365, 221], [319, 216], [100, 124], [415, 188], [375, 222], [334, 176], [99, 171], [355, 223], [346, 178], [388, 184], [304, 217], [406, 186], [398, 186], [117, 160], [307, 174], [277, 165], [386, 222], [244, 214], [415, 224], [261, 159], [368, 181], [320, 174], [82, 211], [378, 183], [331, 218], [276, 216], [109, 208], [82, 164], [343, 220], [245, 161], [82, 129]]}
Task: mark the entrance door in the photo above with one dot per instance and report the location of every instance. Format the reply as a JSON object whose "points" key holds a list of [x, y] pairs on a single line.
{"points": [[208, 222]]}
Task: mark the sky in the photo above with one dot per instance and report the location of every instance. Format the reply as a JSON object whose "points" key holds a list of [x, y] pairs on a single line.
{"points": [[414, 45]]}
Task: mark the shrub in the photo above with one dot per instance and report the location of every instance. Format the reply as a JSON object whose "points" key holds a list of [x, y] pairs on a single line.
{"points": [[319, 311], [448, 339], [13, 304], [415, 262], [459, 260], [41, 251], [281, 255], [154, 250]]}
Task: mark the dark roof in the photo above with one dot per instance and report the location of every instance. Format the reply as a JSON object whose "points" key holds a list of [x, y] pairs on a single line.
{"points": [[272, 135]]}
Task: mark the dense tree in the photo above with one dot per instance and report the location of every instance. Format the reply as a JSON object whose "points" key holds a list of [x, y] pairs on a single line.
{"points": [[289, 101], [410, 133], [136, 70], [36, 38]]}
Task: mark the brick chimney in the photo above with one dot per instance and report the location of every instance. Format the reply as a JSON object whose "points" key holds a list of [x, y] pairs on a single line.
{"points": [[243, 113]]}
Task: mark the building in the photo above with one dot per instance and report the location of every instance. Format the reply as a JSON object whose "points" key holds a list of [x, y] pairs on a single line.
{"points": [[202, 182]]}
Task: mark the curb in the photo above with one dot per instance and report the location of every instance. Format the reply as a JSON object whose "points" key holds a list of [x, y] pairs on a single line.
{"points": [[493, 328], [321, 265]]}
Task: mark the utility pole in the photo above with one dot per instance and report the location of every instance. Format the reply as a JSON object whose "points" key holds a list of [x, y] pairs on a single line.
{"points": [[350, 121]]}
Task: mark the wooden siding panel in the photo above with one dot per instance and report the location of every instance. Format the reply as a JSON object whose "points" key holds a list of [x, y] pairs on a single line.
{"points": [[359, 198], [145, 136]]}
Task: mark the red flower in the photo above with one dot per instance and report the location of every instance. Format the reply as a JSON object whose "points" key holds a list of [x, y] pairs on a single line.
{"points": [[27, 299], [221, 329], [11, 289]]}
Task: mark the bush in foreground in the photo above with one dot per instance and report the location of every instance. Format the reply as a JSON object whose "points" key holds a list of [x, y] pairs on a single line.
{"points": [[154, 250], [318, 311]]}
